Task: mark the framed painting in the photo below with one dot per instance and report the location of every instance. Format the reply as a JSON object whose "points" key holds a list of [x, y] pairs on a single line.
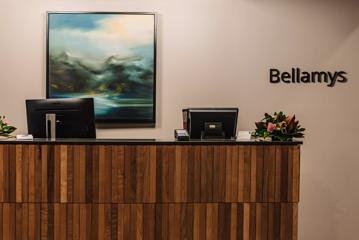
{"points": [[110, 56]]}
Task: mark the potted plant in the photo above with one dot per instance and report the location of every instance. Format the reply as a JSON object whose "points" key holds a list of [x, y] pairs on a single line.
{"points": [[5, 128], [278, 127]]}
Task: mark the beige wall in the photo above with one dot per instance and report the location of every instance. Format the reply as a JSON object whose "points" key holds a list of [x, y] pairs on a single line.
{"points": [[217, 53]]}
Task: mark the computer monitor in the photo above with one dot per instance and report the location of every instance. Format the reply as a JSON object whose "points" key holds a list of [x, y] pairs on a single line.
{"points": [[75, 118], [211, 123]]}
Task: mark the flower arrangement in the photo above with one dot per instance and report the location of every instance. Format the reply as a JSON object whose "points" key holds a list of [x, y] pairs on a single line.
{"points": [[5, 128], [278, 127]]}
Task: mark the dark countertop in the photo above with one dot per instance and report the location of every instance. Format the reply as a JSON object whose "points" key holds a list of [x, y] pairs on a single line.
{"points": [[148, 142]]}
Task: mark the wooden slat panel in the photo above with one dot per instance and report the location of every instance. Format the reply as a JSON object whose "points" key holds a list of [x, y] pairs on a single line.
{"points": [[18, 167], [153, 174], [89, 174], [196, 156], [212, 221], [290, 174], [76, 221], [269, 174], [25, 220], [242, 181], [187, 221], [237, 163], [259, 174], [37, 174], [170, 155], [253, 194], [296, 173], [70, 173], [2, 173], [233, 222], [247, 175], [69, 221], [118, 174], [192, 184], [57, 174], [95, 174], [120, 222], [114, 223], [44, 175], [19, 221], [130, 174], [190, 175], [271, 222], [183, 159], [12, 173], [25, 173], [108, 221], [252, 221], [219, 174], [137, 221], [224, 215], [258, 228], [141, 163], [284, 174], [229, 182], [278, 174], [9, 221], [177, 174], [105, 173], [149, 221], [32, 169], [294, 221], [57, 222], [207, 173], [240, 221], [264, 223], [126, 221], [82, 174], [146, 150], [34, 221], [63, 173]]}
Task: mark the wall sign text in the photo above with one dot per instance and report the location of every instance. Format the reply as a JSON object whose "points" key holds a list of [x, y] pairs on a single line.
{"points": [[298, 76]]}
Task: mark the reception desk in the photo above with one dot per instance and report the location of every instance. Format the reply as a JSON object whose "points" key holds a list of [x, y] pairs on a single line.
{"points": [[149, 189]]}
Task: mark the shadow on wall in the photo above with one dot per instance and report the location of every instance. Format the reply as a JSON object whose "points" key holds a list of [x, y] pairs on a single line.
{"points": [[322, 203]]}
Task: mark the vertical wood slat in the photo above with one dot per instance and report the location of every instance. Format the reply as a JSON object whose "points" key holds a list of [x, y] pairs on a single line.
{"points": [[196, 158], [290, 174], [117, 174], [247, 174], [177, 184], [219, 174], [18, 167], [269, 174], [183, 165], [284, 158], [296, 173], [2, 172], [207, 158]]}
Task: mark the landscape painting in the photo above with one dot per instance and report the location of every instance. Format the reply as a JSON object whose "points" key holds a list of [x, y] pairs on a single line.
{"points": [[108, 56]]}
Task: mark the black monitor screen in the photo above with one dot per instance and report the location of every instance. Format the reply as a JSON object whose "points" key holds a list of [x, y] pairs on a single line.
{"points": [[200, 119], [74, 117]]}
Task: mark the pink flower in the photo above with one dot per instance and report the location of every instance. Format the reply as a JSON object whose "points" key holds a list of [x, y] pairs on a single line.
{"points": [[5, 121], [271, 127]]}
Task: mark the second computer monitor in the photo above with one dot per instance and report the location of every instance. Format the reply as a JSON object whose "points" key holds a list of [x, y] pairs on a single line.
{"points": [[212, 123], [75, 117]]}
